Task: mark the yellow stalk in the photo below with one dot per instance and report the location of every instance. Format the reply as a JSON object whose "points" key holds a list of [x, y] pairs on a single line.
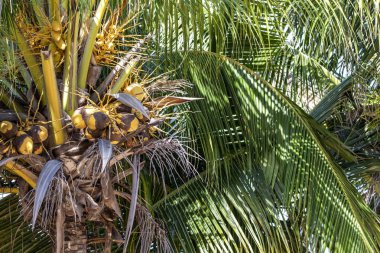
{"points": [[71, 66], [20, 171], [66, 70], [50, 8], [74, 74], [9, 190], [94, 27], [52, 96], [55, 15], [31, 62], [124, 75]]}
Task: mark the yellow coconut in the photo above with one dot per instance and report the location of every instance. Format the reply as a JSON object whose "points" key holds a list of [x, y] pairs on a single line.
{"points": [[38, 133], [23, 144], [97, 121], [8, 129], [77, 119], [92, 135]]}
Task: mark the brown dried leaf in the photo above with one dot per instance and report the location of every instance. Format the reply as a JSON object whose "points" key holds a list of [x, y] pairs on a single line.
{"points": [[109, 197]]}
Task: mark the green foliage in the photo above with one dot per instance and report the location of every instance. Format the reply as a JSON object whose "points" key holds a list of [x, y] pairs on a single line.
{"points": [[262, 154], [304, 48], [16, 235]]}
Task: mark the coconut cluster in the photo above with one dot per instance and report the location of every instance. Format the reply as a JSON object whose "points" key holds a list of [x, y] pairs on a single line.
{"points": [[115, 121], [21, 140]]}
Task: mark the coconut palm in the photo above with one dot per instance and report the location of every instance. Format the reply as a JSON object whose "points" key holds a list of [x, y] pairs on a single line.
{"points": [[107, 145]]}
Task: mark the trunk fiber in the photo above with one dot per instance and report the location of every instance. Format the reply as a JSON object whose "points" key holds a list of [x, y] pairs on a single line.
{"points": [[75, 236]]}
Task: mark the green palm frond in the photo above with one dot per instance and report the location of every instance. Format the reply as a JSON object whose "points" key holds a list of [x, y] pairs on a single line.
{"points": [[16, 234], [249, 131], [302, 47], [300, 76], [350, 110], [365, 74], [239, 27], [243, 216], [334, 29], [245, 25]]}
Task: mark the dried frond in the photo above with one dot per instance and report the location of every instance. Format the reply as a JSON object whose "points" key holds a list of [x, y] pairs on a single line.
{"points": [[53, 201], [170, 156], [151, 232], [163, 84]]}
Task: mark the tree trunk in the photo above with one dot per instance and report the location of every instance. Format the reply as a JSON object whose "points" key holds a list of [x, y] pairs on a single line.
{"points": [[75, 236]]}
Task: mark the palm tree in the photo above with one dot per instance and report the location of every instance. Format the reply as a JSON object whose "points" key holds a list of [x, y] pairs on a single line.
{"points": [[104, 153]]}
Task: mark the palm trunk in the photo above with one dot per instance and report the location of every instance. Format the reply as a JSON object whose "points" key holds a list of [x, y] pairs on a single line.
{"points": [[75, 236]]}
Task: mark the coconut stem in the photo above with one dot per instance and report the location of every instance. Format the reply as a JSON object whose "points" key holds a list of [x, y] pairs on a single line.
{"points": [[94, 27], [9, 190], [52, 96], [69, 97], [124, 75], [22, 172]]}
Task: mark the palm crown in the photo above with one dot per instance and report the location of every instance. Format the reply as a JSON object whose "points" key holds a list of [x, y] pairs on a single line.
{"points": [[101, 138]]}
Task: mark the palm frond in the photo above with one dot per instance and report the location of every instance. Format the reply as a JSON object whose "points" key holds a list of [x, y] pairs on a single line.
{"points": [[247, 130], [303, 47], [365, 74], [16, 234]]}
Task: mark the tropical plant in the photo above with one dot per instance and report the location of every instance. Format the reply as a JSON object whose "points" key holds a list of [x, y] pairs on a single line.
{"points": [[104, 152]]}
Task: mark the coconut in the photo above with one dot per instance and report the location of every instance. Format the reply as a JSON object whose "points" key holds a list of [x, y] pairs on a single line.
{"points": [[77, 119], [38, 133], [97, 121], [128, 122], [93, 134], [124, 120], [8, 129], [23, 144], [134, 125], [114, 135]]}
